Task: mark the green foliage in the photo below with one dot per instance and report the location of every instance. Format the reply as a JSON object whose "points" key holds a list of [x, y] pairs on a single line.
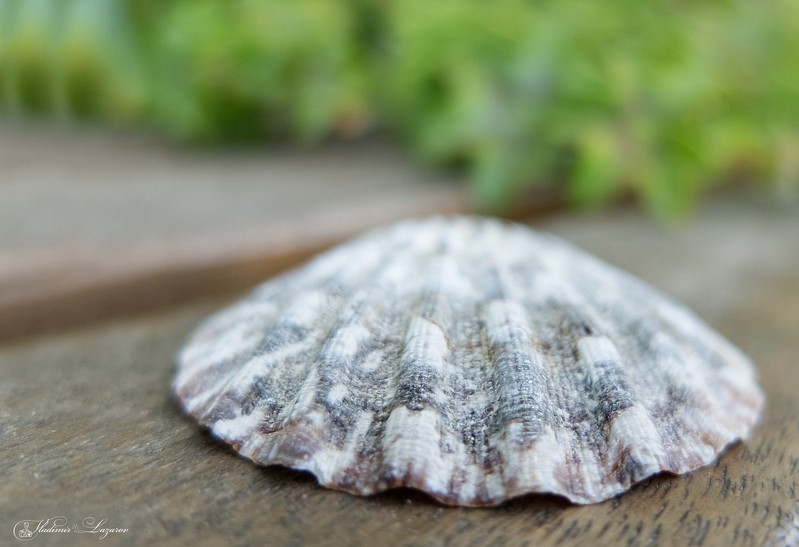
{"points": [[244, 69], [660, 99], [70, 59], [652, 97]]}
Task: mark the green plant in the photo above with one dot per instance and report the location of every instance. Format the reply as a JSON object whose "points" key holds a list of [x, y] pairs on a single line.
{"points": [[661, 100], [655, 98], [251, 69], [72, 60]]}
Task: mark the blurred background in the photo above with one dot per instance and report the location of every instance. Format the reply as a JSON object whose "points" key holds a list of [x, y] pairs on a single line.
{"points": [[170, 132], [658, 101]]}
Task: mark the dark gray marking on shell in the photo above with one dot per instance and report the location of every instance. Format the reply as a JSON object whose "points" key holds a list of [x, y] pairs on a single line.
{"points": [[473, 359]]}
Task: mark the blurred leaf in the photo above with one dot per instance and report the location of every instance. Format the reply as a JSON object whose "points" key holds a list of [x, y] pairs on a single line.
{"points": [[98, 61], [29, 47], [658, 99]]}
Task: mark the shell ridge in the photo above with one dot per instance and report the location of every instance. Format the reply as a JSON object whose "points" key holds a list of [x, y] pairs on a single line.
{"points": [[300, 405], [256, 362], [299, 320], [384, 276], [715, 406], [416, 426], [205, 355], [516, 379]]}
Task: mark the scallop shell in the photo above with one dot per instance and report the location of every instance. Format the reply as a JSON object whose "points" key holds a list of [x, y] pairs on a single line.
{"points": [[473, 359]]}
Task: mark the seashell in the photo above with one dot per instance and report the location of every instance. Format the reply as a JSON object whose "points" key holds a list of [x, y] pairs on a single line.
{"points": [[470, 358]]}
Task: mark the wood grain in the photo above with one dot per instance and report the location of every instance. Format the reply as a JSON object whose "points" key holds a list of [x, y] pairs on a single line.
{"points": [[90, 428], [47, 290]]}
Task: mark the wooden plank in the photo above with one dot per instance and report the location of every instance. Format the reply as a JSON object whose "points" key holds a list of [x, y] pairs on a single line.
{"points": [[50, 290], [67, 288], [105, 225], [90, 429]]}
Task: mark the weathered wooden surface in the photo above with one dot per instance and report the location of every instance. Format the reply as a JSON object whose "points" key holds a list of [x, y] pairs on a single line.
{"points": [[108, 225], [89, 427], [116, 192]]}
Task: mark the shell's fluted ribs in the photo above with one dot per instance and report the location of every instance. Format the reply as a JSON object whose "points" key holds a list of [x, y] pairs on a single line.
{"points": [[412, 438], [530, 442], [473, 359], [641, 311], [296, 334], [410, 448], [331, 365], [210, 359]]}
